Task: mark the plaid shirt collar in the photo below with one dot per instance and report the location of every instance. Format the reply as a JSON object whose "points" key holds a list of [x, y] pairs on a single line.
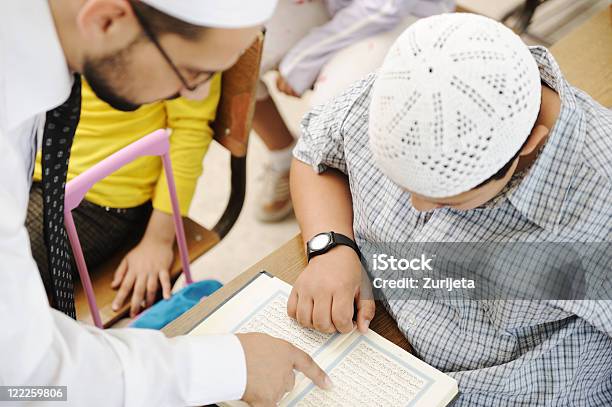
{"points": [[541, 194]]}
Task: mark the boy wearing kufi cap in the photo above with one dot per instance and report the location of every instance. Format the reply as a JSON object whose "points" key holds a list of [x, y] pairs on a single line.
{"points": [[466, 135]]}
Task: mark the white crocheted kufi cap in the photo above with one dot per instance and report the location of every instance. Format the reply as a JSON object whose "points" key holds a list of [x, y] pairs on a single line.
{"points": [[453, 102]]}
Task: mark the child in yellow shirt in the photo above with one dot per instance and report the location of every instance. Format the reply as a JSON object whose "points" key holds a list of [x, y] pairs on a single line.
{"points": [[133, 203]]}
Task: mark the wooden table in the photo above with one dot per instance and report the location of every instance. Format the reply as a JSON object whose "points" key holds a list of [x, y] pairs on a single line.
{"points": [[585, 57], [285, 263]]}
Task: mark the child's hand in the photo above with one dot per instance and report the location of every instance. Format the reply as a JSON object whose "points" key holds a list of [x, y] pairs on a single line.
{"points": [[140, 272], [284, 87], [323, 295]]}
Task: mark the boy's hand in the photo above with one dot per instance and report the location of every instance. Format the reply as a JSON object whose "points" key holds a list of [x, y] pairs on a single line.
{"points": [[323, 295], [141, 271], [284, 87], [270, 369]]}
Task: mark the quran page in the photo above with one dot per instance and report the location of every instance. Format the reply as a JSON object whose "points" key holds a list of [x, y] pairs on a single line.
{"points": [[262, 307], [367, 370]]}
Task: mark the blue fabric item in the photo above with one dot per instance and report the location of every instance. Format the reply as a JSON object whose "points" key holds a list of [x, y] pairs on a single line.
{"points": [[166, 311]]}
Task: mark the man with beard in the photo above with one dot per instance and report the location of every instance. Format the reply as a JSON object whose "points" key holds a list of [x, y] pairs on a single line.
{"points": [[130, 53]]}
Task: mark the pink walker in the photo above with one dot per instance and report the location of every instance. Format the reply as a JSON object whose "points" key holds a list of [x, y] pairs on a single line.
{"points": [[156, 143]]}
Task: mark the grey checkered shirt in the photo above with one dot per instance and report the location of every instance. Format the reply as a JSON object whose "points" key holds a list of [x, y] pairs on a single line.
{"points": [[503, 353]]}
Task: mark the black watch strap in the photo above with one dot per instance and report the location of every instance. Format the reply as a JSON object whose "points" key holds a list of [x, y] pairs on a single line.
{"points": [[341, 239], [336, 239]]}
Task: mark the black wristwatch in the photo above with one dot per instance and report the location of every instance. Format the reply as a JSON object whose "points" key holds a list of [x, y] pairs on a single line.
{"points": [[324, 242]]}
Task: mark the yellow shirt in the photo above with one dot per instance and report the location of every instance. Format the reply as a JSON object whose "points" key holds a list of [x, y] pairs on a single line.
{"points": [[103, 130]]}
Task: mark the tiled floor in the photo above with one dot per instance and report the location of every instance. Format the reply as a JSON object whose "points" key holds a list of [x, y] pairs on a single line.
{"points": [[250, 240]]}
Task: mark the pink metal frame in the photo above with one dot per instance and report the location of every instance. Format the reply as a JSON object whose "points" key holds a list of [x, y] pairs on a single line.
{"points": [[156, 143]]}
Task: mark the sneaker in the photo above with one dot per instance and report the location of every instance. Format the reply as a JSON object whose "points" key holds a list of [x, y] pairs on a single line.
{"points": [[274, 200]]}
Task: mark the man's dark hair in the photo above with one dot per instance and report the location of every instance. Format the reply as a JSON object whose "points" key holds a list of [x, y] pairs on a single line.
{"points": [[503, 170], [161, 23]]}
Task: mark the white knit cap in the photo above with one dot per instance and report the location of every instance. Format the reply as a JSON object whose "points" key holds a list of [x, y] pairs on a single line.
{"points": [[455, 99], [217, 13]]}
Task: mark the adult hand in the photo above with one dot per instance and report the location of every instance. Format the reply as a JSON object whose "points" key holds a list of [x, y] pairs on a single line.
{"points": [[270, 369], [323, 295], [141, 271], [284, 87]]}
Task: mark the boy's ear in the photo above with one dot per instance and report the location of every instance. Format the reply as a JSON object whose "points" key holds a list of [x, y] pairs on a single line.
{"points": [[538, 133]]}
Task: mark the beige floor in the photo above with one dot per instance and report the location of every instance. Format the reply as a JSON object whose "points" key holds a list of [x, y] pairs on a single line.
{"points": [[250, 240]]}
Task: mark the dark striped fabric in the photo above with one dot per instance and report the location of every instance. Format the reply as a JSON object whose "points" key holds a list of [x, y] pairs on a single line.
{"points": [[102, 231]]}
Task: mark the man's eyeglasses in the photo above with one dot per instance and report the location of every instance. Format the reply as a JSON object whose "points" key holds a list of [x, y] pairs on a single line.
{"points": [[197, 81]]}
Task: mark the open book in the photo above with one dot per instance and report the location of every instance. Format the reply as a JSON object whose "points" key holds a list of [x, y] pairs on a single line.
{"points": [[366, 369]]}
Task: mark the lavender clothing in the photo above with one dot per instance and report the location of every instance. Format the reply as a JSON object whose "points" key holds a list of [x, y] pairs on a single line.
{"points": [[351, 21]]}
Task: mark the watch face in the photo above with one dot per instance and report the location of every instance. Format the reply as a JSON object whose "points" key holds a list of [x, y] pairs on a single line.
{"points": [[320, 241]]}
